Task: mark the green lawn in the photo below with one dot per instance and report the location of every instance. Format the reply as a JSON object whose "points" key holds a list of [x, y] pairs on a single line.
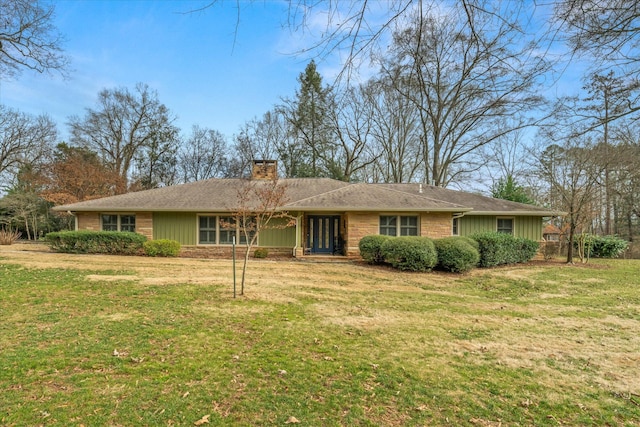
{"points": [[138, 341]]}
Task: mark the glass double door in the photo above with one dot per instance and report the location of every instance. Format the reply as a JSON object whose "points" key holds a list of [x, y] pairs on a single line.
{"points": [[323, 234]]}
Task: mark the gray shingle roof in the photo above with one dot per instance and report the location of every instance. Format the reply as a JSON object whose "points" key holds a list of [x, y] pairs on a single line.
{"points": [[368, 197], [307, 194], [482, 205]]}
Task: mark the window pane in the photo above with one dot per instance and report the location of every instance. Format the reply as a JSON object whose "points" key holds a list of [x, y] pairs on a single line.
{"points": [[128, 223], [408, 225], [505, 225], [227, 230], [207, 230], [250, 224], [109, 222], [388, 225], [454, 227]]}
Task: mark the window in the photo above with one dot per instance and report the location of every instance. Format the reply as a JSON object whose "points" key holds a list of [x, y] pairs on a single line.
{"points": [[109, 222], [398, 225], [227, 230], [505, 225], [455, 230], [112, 222], [250, 223], [128, 223], [408, 225], [219, 230], [389, 225], [207, 230]]}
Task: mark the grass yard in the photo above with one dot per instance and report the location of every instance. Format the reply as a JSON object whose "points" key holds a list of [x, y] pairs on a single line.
{"points": [[127, 341]]}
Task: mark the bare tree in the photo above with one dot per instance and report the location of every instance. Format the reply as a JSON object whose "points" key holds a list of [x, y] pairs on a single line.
{"points": [[156, 162], [259, 207], [571, 173], [28, 39], [464, 80], [394, 134], [23, 139], [122, 126], [570, 169], [270, 137], [607, 31], [203, 155], [351, 125]]}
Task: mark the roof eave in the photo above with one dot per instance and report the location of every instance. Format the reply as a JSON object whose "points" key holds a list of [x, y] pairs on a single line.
{"points": [[287, 208], [518, 213]]}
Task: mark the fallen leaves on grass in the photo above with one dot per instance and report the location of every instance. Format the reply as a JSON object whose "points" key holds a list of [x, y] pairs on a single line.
{"points": [[203, 420]]}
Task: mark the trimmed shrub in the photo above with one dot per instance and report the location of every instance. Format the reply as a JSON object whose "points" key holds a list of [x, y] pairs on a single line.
{"points": [[525, 249], [410, 253], [162, 248], [261, 253], [456, 254], [370, 248], [469, 240], [501, 248], [96, 242], [604, 246]]}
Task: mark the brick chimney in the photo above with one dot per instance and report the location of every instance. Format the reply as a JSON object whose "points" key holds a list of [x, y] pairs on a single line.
{"points": [[264, 169]]}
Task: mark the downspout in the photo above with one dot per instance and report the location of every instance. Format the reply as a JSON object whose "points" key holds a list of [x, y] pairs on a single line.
{"points": [[75, 220], [295, 248]]}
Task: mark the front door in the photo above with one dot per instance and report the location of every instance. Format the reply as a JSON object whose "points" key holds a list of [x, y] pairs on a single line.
{"points": [[323, 233]]}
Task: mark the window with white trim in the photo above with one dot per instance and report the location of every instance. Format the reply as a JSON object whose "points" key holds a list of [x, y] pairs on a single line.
{"points": [[115, 222], [396, 225], [455, 227], [220, 230], [504, 225]]}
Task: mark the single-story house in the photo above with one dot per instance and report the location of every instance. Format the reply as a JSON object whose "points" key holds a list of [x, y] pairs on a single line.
{"points": [[330, 216]]}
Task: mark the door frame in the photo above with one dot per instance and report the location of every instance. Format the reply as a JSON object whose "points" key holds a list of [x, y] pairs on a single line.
{"points": [[315, 242]]}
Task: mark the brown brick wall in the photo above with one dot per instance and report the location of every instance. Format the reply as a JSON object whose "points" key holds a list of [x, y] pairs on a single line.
{"points": [[264, 169], [435, 225], [144, 224], [227, 252], [358, 226], [88, 221]]}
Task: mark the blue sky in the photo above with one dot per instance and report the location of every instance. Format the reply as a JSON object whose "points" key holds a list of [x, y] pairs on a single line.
{"points": [[218, 67], [203, 70]]}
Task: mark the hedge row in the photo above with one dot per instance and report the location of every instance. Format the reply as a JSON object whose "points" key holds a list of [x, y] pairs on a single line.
{"points": [[110, 242], [501, 248], [96, 242], [455, 254]]}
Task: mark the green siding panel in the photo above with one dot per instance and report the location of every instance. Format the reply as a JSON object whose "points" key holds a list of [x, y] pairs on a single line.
{"points": [[278, 237], [474, 224], [525, 226], [181, 227], [529, 227]]}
